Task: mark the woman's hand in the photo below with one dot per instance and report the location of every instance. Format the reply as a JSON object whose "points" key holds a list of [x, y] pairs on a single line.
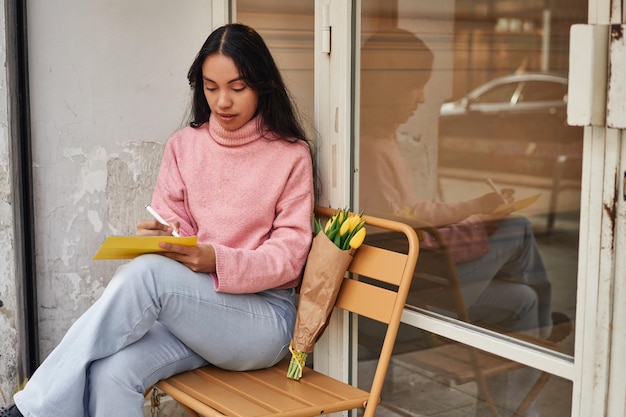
{"points": [[154, 228], [490, 201], [199, 258]]}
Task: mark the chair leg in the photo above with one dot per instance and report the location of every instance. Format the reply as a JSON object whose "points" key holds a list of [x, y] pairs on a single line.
{"points": [[532, 394], [485, 395], [481, 384], [526, 402]]}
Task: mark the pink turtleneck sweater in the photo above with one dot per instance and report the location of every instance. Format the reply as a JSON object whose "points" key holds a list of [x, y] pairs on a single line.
{"points": [[248, 196]]}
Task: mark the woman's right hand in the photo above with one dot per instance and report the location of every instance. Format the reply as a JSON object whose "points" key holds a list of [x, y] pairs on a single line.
{"points": [[154, 228], [490, 201]]}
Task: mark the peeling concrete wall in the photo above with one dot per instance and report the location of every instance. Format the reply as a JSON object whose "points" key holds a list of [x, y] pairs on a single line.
{"points": [[8, 317], [108, 86]]}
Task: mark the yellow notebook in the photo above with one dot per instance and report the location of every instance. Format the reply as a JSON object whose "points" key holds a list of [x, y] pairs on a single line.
{"points": [[518, 204], [128, 247]]}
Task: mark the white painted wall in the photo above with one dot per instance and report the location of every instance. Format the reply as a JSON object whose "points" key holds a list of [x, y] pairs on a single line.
{"points": [[8, 315], [108, 86]]}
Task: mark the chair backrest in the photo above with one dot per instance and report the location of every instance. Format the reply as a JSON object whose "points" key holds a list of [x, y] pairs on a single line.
{"points": [[378, 287], [435, 285]]}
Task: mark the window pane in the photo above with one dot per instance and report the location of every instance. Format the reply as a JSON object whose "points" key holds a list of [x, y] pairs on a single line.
{"points": [[545, 91], [417, 386], [287, 26], [454, 94], [503, 93]]}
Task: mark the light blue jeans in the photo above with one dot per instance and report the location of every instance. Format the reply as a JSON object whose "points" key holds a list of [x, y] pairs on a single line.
{"points": [[156, 318], [510, 287]]}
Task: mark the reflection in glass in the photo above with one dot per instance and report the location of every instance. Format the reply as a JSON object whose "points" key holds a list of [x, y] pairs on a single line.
{"points": [[501, 274], [448, 100], [416, 386], [287, 26]]}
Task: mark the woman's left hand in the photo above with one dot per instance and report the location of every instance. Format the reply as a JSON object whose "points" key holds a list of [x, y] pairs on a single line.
{"points": [[199, 258]]}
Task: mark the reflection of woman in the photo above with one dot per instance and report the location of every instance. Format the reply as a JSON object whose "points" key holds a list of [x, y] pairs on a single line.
{"points": [[502, 276], [240, 178]]}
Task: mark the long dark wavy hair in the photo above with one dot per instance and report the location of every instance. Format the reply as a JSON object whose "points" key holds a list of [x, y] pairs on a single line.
{"points": [[257, 68]]}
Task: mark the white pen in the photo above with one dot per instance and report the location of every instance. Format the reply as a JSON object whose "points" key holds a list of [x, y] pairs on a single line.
{"points": [[160, 219], [494, 188]]}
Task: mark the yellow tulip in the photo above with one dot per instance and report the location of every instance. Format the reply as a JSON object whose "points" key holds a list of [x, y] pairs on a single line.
{"points": [[329, 223], [357, 239], [355, 220], [342, 228], [345, 227]]}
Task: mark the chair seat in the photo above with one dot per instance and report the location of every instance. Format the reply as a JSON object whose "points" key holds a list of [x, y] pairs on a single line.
{"points": [[265, 392]]}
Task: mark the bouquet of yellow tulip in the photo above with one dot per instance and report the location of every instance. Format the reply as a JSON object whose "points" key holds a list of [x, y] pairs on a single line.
{"points": [[344, 229], [328, 261]]}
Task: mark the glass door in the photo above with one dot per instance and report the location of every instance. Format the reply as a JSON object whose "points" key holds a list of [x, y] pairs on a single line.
{"points": [[463, 132]]}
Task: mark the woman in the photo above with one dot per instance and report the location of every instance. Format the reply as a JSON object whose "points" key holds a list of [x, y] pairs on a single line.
{"points": [[240, 178]]}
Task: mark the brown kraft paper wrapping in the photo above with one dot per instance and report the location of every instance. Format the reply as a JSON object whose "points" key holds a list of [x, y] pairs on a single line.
{"points": [[323, 274]]}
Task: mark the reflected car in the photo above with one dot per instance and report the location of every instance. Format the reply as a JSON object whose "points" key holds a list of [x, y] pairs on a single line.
{"points": [[515, 124]]}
